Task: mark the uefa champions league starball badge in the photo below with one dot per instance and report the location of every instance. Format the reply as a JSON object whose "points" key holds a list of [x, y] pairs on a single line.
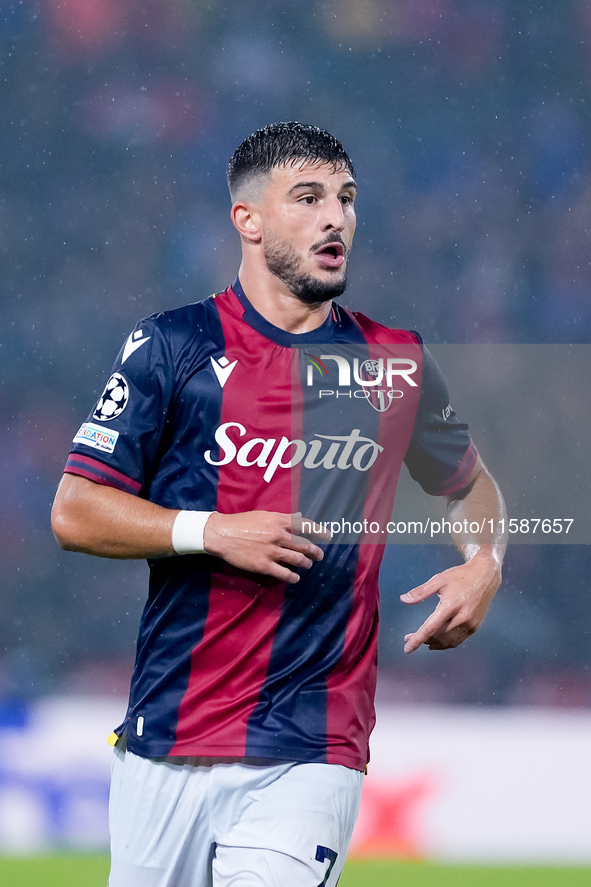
{"points": [[113, 400]]}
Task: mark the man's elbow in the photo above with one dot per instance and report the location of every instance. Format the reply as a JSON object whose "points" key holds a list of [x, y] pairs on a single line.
{"points": [[64, 528]]}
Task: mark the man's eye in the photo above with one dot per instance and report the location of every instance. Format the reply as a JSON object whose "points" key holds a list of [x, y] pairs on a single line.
{"points": [[309, 199], [346, 199]]}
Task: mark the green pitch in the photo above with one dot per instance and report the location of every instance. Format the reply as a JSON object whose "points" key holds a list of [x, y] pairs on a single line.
{"points": [[91, 871], [384, 873], [54, 871]]}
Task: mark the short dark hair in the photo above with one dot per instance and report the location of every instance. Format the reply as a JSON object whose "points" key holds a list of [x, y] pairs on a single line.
{"points": [[284, 144]]}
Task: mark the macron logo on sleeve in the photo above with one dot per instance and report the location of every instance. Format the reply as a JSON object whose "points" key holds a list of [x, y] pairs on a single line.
{"points": [[135, 341], [222, 368]]}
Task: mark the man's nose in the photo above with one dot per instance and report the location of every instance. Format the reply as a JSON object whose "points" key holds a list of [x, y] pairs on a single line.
{"points": [[335, 216]]}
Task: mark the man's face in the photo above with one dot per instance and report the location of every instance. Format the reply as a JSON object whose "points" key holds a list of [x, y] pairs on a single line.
{"points": [[308, 227]]}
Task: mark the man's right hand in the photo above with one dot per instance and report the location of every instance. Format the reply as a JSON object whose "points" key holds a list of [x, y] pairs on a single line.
{"points": [[262, 542]]}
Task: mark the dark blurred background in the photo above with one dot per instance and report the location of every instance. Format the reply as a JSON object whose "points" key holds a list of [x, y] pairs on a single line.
{"points": [[469, 125]]}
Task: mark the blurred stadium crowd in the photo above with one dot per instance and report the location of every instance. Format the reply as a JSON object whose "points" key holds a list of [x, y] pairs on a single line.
{"points": [[469, 124]]}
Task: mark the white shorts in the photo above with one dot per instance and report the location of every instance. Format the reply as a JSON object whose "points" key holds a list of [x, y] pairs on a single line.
{"points": [[197, 823]]}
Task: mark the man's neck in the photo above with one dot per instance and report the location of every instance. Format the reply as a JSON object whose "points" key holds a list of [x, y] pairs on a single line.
{"points": [[271, 298]]}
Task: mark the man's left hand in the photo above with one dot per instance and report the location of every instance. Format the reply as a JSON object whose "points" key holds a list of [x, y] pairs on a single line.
{"points": [[465, 593]]}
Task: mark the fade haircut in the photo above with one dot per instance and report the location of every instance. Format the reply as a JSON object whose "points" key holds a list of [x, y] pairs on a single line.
{"points": [[283, 144]]}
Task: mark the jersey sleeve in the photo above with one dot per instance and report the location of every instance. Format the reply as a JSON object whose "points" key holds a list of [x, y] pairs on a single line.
{"points": [[118, 445], [441, 454]]}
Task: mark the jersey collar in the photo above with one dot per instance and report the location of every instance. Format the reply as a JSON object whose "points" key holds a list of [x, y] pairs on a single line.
{"points": [[322, 333]]}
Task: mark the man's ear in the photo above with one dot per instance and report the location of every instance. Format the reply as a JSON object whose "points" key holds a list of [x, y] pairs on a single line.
{"points": [[247, 220]]}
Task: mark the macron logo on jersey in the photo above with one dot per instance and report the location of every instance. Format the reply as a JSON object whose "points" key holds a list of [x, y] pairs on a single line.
{"points": [[135, 341], [222, 368]]}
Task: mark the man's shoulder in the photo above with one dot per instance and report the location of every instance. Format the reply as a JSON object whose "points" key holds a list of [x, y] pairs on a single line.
{"points": [[183, 325], [174, 334], [185, 316], [380, 333]]}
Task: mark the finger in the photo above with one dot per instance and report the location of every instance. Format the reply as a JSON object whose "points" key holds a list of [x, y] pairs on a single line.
{"points": [[429, 629], [452, 634], [306, 527], [422, 592], [298, 543], [409, 644], [318, 531], [282, 573], [461, 633], [432, 643], [447, 641], [293, 558]]}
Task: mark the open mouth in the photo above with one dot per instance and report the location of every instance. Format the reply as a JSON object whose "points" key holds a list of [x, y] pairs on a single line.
{"points": [[331, 255]]}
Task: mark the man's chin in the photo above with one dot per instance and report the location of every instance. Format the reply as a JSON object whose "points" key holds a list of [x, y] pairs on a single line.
{"points": [[284, 263], [313, 291]]}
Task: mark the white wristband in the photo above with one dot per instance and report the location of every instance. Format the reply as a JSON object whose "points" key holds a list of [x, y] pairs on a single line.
{"points": [[188, 530]]}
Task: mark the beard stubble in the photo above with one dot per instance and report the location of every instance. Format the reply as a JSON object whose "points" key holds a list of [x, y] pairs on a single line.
{"points": [[283, 261]]}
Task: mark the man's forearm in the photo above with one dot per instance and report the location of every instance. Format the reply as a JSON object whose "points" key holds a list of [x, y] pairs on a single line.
{"points": [[480, 511], [100, 520], [106, 522]]}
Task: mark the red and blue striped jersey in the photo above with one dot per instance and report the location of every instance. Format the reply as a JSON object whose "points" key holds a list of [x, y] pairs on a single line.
{"points": [[211, 407]]}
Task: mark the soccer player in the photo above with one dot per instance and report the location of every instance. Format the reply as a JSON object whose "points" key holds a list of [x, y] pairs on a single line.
{"points": [[241, 756]]}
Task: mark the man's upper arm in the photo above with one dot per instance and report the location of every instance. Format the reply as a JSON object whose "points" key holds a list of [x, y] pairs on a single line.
{"points": [[79, 505], [102, 520], [441, 456]]}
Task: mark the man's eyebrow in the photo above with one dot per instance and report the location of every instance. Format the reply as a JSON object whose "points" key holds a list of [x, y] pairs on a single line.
{"points": [[318, 186], [307, 186]]}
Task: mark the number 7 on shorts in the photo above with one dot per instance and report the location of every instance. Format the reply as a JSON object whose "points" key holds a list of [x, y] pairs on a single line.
{"points": [[323, 853]]}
